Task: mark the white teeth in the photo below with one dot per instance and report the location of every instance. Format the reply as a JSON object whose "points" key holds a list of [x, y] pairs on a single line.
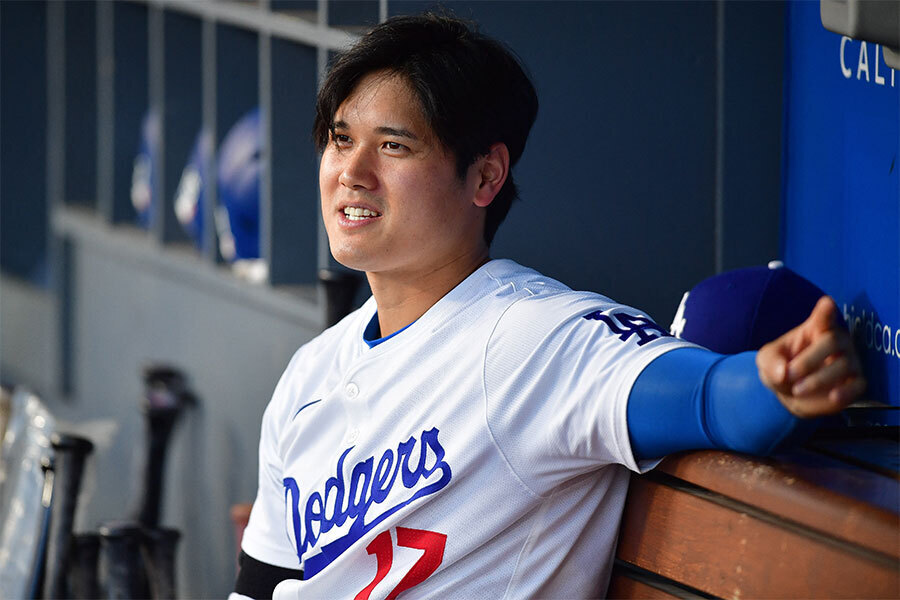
{"points": [[355, 213]]}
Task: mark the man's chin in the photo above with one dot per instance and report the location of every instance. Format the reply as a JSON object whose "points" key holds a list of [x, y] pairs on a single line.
{"points": [[352, 260]]}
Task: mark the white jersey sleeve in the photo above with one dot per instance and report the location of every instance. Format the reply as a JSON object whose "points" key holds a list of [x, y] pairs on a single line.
{"points": [[265, 538], [558, 370]]}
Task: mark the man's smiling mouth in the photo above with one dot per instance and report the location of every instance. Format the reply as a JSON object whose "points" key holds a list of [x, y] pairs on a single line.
{"points": [[356, 213]]}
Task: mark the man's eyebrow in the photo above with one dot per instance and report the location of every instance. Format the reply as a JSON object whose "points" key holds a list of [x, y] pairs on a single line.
{"points": [[383, 130], [397, 131]]}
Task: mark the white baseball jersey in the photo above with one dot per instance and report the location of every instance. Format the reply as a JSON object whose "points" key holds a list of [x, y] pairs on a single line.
{"points": [[477, 454]]}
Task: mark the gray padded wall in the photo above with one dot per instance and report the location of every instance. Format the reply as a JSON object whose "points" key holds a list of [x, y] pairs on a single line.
{"points": [[129, 312]]}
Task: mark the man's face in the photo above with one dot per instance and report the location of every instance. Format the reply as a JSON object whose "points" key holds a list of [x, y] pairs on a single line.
{"points": [[391, 199]]}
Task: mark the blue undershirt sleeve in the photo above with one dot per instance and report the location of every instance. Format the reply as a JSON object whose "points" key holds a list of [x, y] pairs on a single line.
{"points": [[692, 399]]}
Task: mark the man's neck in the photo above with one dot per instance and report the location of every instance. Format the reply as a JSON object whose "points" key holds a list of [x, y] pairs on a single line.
{"points": [[404, 297]]}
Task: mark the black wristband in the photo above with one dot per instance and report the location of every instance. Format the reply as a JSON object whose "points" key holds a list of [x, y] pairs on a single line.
{"points": [[258, 579]]}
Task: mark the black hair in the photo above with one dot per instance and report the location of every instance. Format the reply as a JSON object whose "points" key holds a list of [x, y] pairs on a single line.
{"points": [[473, 91]]}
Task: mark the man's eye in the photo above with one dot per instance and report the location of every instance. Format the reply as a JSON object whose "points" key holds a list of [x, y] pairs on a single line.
{"points": [[394, 146], [340, 139]]}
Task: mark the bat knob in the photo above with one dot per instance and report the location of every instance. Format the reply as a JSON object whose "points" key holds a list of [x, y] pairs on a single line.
{"points": [[78, 446], [165, 389], [69, 453], [166, 394], [121, 552], [83, 581], [158, 549], [340, 292]]}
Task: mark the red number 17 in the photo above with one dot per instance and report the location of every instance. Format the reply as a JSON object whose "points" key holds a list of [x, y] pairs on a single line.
{"points": [[430, 541]]}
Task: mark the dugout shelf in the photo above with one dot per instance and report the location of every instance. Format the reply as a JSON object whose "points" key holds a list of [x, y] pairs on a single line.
{"points": [[804, 524]]}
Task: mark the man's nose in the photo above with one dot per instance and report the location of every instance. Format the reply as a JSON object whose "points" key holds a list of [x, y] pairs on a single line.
{"points": [[358, 171]]}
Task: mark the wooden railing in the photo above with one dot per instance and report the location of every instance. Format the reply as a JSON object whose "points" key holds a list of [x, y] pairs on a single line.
{"points": [[806, 524]]}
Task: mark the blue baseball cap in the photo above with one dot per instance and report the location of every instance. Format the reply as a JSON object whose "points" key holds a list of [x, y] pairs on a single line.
{"points": [[744, 309]]}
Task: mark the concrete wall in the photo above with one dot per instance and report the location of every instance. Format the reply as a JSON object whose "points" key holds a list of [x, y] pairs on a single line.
{"points": [[131, 307]]}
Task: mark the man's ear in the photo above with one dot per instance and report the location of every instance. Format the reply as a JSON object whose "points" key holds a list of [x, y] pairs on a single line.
{"points": [[493, 168]]}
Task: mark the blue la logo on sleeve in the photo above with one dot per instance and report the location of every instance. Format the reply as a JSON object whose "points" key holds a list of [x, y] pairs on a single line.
{"points": [[626, 325]]}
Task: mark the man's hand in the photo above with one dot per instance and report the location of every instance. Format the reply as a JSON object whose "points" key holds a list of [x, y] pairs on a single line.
{"points": [[813, 369]]}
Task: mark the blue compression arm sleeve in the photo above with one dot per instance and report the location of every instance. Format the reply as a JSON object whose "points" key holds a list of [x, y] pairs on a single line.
{"points": [[691, 399]]}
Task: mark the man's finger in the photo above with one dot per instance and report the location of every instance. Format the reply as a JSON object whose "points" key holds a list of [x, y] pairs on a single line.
{"points": [[824, 378], [813, 357], [848, 392], [772, 366], [823, 315], [820, 406]]}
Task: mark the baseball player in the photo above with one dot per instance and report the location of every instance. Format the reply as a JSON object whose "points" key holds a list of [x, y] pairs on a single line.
{"points": [[467, 433]]}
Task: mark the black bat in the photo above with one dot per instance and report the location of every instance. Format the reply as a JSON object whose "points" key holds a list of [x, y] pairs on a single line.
{"points": [[340, 292], [136, 562], [165, 396], [158, 551], [69, 454], [120, 557], [83, 582]]}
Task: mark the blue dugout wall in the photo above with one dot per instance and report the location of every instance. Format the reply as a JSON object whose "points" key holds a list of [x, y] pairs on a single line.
{"points": [[841, 205]]}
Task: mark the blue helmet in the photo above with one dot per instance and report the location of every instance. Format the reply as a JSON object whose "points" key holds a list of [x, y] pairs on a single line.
{"points": [[189, 196], [142, 192], [238, 181]]}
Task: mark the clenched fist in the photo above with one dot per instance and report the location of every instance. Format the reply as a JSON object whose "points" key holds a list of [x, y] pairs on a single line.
{"points": [[814, 368]]}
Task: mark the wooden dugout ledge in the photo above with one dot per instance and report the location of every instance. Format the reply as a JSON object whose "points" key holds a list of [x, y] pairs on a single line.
{"points": [[814, 523]]}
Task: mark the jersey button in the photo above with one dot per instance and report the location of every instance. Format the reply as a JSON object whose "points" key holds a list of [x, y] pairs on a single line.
{"points": [[352, 390], [353, 435]]}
